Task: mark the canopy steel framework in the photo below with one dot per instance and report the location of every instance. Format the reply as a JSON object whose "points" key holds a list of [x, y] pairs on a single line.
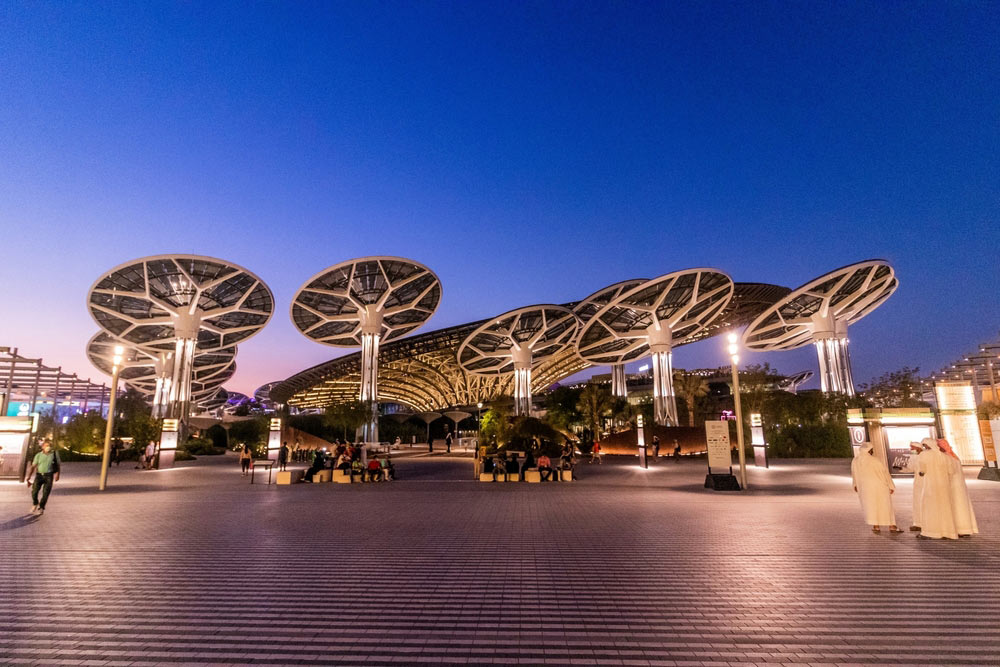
{"points": [[180, 305], [513, 343], [590, 306], [650, 319], [422, 371], [363, 303], [819, 312], [28, 380]]}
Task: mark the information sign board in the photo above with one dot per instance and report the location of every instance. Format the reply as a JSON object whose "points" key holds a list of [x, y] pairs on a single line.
{"points": [[719, 447], [989, 445]]}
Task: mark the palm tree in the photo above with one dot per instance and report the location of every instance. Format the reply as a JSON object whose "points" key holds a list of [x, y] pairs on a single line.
{"points": [[689, 387], [595, 402]]}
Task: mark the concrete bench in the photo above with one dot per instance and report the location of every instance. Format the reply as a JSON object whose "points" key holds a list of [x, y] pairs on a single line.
{"points": [[565, 475], [485, 477], [289, 476], [341, 477], [322, 476], [532, 475]]}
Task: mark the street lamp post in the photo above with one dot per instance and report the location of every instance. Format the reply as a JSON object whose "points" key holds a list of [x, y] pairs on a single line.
{"points": [[109, 429], [734, 356]]}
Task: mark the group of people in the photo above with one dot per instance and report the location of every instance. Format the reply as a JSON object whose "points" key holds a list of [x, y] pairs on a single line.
{"points": [[655, 446], [941, 505], [504, 466], [349, 458]]}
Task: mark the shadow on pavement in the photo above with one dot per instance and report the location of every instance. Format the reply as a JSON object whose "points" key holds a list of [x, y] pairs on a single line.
{"points": [[112, 488], [19, 522]]}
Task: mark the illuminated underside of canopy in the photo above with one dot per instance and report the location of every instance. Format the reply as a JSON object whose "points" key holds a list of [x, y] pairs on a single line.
{"points": [[422, 371]]}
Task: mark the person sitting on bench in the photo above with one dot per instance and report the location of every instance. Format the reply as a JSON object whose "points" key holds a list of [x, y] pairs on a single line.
{"points": [[374, 470], [343, 462], [388, 470], [500, 466], [357, 469], [513, 466], [319, 462], [545, 468]]}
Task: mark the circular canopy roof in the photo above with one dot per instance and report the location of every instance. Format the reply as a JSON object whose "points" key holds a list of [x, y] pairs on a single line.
{"points": [[590, 306], [845, 295], [151, 302], [531, 334], [794, 380], [683, 302], [139, 366], [391, 295], [214, 401]]}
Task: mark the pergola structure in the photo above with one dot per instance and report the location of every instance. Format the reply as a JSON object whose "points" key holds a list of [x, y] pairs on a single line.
{"points": [[512, 343], [651, 319], [422, 371], [364, 303], [819, 312], [590, 306], [981, 368], [183, 306], [28, 381]]}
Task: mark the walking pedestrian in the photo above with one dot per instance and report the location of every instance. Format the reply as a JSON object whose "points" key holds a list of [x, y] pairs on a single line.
{"points": [[874, 487], [595, 453], [45, 469], [447, 442], [656, 448], [677, 451], [246, 456]]}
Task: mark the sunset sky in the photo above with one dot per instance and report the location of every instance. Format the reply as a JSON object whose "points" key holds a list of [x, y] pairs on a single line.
{"points": [[525, 152]]}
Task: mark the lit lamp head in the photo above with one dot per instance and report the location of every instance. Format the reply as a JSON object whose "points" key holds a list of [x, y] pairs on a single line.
{"points": [[734, 347], [119, 352]]}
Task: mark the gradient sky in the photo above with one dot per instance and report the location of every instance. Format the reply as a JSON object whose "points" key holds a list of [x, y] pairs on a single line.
{"points": [[526, 152]]}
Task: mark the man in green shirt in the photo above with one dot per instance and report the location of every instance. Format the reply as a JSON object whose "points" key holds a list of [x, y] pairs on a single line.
{"points": [[45, 468]]}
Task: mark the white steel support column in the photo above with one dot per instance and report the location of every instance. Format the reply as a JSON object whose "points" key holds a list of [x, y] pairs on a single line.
{"points": [[522, 391], [369, 383], [522, 380], [832, 354], [664, 400], [180, 381], [618, 388]]}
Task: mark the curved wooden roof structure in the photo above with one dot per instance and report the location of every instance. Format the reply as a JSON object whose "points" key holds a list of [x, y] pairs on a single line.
{"points": [[422, 371]]}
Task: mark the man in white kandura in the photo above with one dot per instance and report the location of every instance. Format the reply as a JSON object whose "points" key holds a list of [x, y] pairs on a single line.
{"points": [[961, 506], [916, 449], [937, 519], [874, 487]]}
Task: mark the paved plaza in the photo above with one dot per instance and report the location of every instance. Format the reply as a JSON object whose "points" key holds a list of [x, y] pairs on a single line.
{"points": [[624, 567]]}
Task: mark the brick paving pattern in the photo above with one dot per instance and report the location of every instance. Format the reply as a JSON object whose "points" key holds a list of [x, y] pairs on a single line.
{"points": [[625, 567]]}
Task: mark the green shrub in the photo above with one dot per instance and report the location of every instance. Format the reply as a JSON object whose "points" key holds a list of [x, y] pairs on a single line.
{"points": [[202, 447], [810, 441]]}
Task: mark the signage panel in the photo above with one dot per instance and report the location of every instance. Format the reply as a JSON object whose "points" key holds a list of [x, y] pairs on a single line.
{"points": [[989, 444], [719, 447], [957, 409]]}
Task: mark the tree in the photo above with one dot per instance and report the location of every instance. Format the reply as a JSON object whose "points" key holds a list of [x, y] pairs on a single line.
{"points": [[896, 389], [989, 410], [594, 404], [496, 426], [561, 411], [348, 417], [84, 433], [690, 387], [757, 382]]}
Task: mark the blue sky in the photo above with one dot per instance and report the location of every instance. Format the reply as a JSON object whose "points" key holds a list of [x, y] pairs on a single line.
{"points": [[526, 152]]}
